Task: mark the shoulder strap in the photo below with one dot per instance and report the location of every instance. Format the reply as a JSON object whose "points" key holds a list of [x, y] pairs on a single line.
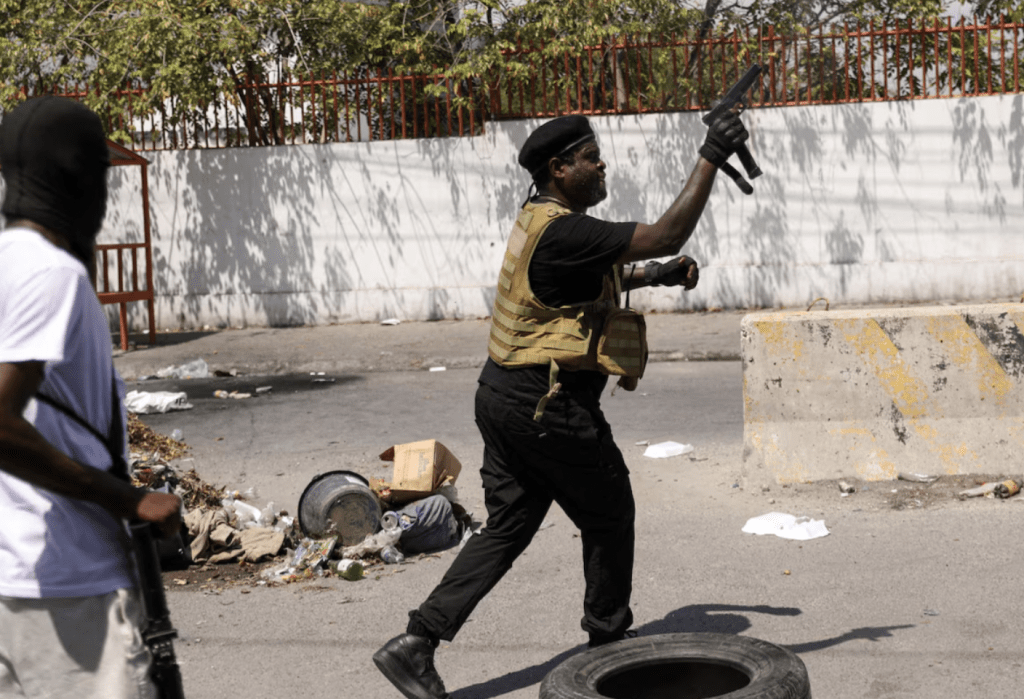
{"points": [[114, 441]]}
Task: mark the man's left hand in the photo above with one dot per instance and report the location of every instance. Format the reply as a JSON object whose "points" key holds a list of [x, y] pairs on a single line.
{"points": [[682, 271]]}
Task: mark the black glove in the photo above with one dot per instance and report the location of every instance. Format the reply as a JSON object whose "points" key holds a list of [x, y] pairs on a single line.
{"points": [[725, 135], [679, 272]]}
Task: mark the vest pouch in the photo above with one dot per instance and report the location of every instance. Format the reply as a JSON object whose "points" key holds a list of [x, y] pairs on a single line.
{"points": [[622, 348]]}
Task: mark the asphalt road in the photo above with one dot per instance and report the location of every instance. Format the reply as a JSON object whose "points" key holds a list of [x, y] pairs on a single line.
{"points": [[894, 603]]}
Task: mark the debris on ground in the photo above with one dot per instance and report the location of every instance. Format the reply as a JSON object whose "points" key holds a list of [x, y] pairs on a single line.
{"points": [[1008, 488], [148, 402], [348, 569], [917, 477], [905, 494], [146, 443], [993, 489], [232, 394], [786, 526], [224, 528], [311, 559], [419, 469], [664, 450], [221, 527], [196, 369]]}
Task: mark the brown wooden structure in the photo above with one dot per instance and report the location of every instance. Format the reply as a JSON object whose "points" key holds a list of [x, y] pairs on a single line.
{"points": [[125, 286]]}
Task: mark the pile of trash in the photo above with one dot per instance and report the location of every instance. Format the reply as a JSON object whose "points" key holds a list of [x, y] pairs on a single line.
{"points": [[412, 517], [349, 522], [429, 525], [221, 526]]}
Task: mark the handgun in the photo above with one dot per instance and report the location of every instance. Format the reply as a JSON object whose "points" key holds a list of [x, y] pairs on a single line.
{"points": [[730, 101]]}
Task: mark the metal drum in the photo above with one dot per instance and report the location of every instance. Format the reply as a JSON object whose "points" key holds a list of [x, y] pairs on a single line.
{"points": [[339, 502]]}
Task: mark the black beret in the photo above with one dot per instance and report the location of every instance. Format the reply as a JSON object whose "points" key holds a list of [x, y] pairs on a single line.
{"points": [[554, 138]]}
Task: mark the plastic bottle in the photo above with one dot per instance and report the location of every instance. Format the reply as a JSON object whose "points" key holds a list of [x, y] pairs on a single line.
{"points": [[391, 555], [389, 522]]}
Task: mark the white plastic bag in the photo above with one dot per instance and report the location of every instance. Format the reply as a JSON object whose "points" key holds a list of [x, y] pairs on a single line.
{"points": [[144, 402], [786, 526], [663, 450], [196, 369]]}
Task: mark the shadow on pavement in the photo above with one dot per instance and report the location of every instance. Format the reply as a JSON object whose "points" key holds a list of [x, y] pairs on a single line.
{"points": [[869, 633], [163, 339], [701, 617], [514, 681], [698, 618], [280, 384]]}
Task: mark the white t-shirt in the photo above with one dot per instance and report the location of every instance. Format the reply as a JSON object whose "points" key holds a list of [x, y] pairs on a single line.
{"points": [[52, 546]]}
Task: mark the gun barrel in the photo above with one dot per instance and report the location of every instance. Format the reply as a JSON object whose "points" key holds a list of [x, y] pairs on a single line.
{"points": [[159, 632], [734, 95]]}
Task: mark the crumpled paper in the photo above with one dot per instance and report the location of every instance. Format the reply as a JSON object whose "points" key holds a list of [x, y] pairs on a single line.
{"points": [[786, 526]]}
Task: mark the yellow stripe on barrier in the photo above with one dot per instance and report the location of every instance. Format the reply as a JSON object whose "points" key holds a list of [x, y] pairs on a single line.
{"points": [[778, 340], [908, 393], [883, 358], [966, 351]]}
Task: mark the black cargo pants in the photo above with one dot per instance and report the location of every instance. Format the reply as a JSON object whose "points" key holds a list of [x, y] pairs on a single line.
{"points": [[569, 458]]}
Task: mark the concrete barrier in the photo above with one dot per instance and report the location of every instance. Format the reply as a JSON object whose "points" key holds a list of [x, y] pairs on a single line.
{"points": [[872, 393]]}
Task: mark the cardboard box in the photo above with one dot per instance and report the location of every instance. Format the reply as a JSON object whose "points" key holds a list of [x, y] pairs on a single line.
{"points": [[420, 469]]}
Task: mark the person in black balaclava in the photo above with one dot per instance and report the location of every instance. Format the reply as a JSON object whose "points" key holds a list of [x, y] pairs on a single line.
{"points": [[70, 616], [54, 157]]}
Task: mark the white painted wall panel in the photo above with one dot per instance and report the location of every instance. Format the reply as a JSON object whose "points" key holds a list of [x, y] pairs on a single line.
{"points": [[863, 203]]}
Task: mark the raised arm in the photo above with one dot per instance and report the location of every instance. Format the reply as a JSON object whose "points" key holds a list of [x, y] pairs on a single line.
{"points": [[671, 231]]}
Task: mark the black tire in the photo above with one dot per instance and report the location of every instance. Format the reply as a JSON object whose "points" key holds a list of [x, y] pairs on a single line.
{"points": [[681, 666]]}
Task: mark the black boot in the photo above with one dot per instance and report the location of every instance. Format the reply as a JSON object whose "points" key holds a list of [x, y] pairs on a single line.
{"points": [[408, 662]]}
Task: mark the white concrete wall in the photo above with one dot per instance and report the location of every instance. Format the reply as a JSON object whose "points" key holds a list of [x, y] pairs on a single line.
{"points": [[862, 203]]}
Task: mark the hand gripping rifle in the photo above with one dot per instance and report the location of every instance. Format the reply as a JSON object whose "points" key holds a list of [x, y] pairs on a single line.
{"points": [[733, 99], [159, 634]]}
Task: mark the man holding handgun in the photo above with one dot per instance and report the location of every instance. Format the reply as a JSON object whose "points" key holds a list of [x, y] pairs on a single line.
{"points": [[70, 616], [558, 332]]}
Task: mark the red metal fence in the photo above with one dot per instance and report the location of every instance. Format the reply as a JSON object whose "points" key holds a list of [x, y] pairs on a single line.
{"points": [[827, 66], [906, 60], [375, 104]]}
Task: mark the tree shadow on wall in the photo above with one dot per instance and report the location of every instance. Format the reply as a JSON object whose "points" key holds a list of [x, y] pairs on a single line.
{"points": [[762, 244], [501, 196], [229, 253], [123, 223], [1013, 137], [974, 151]]}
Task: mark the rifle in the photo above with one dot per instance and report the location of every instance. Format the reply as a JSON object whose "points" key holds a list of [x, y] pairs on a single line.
{"points": [[732, 99], [158, 634]]}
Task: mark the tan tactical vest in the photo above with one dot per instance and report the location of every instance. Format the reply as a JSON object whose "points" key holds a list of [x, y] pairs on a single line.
{"points": [[594, 336]]}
